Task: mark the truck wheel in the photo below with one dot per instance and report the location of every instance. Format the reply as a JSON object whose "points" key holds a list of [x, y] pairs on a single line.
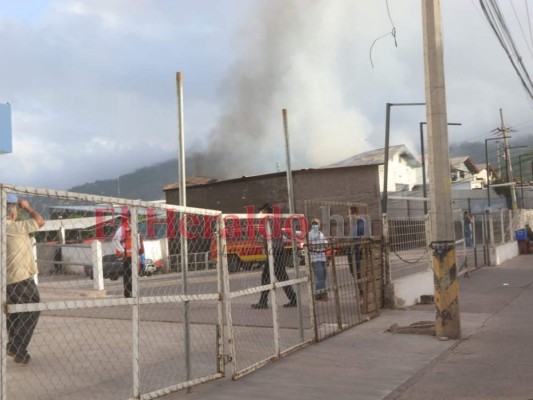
{"points": [[234, 264]]}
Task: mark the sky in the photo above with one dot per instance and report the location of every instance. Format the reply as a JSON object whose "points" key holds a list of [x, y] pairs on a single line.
{"points": [[92, 84]]}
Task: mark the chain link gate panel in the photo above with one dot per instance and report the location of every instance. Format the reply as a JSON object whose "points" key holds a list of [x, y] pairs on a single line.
{"points": [[353, 273], [90, 341], [268, 307], [353, 293]]}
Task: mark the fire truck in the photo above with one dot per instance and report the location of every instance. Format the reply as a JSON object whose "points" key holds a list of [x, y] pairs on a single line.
{"points": [[247, 250]]}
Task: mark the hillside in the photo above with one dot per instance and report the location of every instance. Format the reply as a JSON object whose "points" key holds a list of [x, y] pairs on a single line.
{"points": [[476, 151], [147, 183]]}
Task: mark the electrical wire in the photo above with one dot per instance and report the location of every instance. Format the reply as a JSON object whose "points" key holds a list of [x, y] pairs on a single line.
{"points": [[521, 29], [392, 33], [529, 21], [497, 22]]}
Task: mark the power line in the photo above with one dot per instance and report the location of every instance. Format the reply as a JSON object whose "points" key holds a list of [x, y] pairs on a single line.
{"points": [[497, 22], [522, 29], [392, 33], [478, 10], [528, 21]]}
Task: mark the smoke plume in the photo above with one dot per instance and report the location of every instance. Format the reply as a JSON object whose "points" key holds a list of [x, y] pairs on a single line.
{"points": [[287, 56]]}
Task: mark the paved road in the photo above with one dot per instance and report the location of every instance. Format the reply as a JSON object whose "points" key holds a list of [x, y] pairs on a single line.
{"points": [[493, 360], [88, 357]]}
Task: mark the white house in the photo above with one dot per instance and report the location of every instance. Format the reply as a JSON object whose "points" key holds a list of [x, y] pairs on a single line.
{"points": [[464, 174], [404, 168], [482, 174]]}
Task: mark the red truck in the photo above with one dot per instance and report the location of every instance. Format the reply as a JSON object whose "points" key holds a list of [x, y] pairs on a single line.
{"points": [[247, 250]]}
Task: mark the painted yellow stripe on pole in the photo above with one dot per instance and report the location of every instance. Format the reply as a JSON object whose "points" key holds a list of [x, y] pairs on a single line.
{"points": [[447, 290]]}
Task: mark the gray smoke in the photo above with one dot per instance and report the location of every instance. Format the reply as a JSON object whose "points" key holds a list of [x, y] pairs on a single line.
{"points": [[285, 58]]}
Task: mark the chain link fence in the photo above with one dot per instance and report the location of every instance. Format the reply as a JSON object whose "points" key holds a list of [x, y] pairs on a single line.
{"points": [[116, 315], [408, 241], [346, 272], [267, 308], [102, 328], [352, 289]]}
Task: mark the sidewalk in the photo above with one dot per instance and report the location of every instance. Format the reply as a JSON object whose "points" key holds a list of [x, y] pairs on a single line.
{"points": [[494, 359]]}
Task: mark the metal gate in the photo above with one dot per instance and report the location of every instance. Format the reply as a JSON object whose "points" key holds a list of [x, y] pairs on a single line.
{"points": [[92, 342], [263, 246]]}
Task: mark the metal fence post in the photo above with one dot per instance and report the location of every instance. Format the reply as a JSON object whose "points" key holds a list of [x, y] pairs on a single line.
{"points": [[336, 291], [273, 281], [484, 229], [387, 274], [184, 258], [3, 300], [427, 227], [311, 291], [136, 306], [502, 226], [491, 228], [221, 289]]}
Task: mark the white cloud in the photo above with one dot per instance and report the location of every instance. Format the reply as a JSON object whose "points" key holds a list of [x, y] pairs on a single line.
{"points": [[92, 83]]}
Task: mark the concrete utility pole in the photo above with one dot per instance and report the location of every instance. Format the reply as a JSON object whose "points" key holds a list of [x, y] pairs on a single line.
{"points": [[508, 164], [443, 234]]}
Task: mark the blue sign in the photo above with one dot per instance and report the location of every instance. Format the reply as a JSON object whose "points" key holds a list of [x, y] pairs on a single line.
{"points": [[6, 134]]}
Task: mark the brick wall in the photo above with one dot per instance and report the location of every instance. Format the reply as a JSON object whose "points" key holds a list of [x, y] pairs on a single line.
{"points": [[347, 184]]}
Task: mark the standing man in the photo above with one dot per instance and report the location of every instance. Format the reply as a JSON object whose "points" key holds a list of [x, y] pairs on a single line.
{"points": [[467, 222], [123, 246], [317, 250], [279, 266], [20, 270], [357, 231]]}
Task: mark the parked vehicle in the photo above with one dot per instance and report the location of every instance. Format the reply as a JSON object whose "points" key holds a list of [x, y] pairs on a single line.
{"points": [[113, 267], [243, 252]]}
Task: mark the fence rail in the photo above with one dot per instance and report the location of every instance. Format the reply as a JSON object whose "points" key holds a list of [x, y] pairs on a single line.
{"points": [[408, 239], [107, 345], [111, 336]]}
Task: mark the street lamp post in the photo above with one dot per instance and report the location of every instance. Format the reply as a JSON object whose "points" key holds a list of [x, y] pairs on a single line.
{"points": [[424, 185], [386, 155]]}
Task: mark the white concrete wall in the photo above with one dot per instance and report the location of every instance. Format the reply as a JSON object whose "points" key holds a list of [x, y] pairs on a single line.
{"points": [[503, 252], [399, 172], [155, 249], [407, 291], [76, 257]]}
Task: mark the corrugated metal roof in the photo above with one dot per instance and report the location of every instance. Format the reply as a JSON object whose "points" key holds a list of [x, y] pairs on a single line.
{"points": [[456, 161], [191, 181], [377, 156]]}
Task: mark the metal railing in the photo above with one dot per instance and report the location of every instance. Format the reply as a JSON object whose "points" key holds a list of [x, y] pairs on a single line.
{"points": [[408, 241], [113, 336], [131, 340]]}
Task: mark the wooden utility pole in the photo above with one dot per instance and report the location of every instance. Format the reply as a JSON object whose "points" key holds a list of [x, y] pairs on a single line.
{"points": [[442, 228], [508, 165]]}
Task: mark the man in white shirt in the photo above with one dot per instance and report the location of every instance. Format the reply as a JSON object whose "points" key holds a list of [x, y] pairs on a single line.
{"points": [[20, 270], [317, 251]]}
